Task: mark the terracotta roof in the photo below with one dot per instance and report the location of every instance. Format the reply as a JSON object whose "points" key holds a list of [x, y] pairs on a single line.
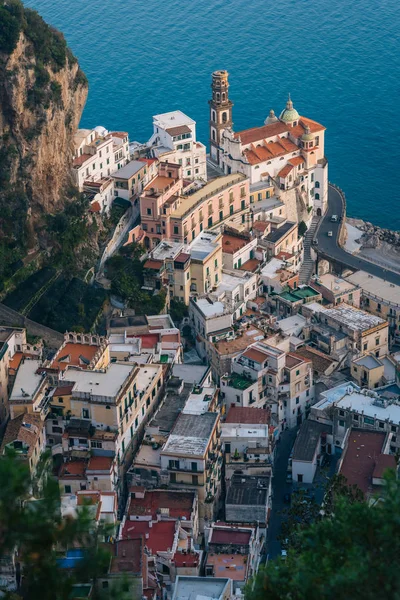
{"points": [[186, 560], [119, 134], [74, 469], [297, 160], [95, 207], [260, 225], [247, 136], [148, 161], [255, 355], [160, 534], [182, 257], [128, 556], [250, 265], [285, 171], [178, 130], [149, 340], [294, 360], [63, 390], [360, 456], [15, 361], [100, 463], [25, 428], [383, 462], [78, 355], [320, 361], [284, 255], [178, 503], [232, 243], [153, 264], [248, 415], [230, 536], [301, 127], [79, 160]]}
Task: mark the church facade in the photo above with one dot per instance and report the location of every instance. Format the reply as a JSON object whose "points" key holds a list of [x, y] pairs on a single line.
{"points": [[287, 151]]}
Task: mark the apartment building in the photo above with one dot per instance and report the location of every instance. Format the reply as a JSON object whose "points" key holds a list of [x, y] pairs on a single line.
{"points": [[205, 262], [192, 457], [284, 238], [174, 140], [237, 248], [130, 179], [336, 290], [380, 298], [26, 437]]}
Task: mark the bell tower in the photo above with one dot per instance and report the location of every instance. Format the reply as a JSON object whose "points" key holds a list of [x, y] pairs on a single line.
{"points": [[220, 113]]}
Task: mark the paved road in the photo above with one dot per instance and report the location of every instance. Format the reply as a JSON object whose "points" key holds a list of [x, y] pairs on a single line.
{"points": [[279, 489], [330, 247]]}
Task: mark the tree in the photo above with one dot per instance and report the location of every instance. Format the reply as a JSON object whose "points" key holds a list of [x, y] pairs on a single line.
{"points": [[37, 530], [178, 310], [302, 228], [351, 553]]}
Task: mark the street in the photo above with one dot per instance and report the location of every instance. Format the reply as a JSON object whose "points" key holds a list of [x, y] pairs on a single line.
{"points": [[329, 245], [279, 489]]}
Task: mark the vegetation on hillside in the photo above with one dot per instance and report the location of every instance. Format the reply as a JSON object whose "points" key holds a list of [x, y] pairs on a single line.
{"points": [[350, 552]]}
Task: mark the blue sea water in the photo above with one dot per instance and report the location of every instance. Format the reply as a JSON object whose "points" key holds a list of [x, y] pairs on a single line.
{"points": [[340, 61]]}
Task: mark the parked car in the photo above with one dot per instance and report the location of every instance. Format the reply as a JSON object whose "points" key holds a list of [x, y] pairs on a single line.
{"points": [[283, 554], [334, 218], [330, 233]]}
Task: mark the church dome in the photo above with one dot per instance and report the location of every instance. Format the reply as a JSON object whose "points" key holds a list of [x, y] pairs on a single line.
{"points": [[307, 135], [272, 118], [289, 114]]}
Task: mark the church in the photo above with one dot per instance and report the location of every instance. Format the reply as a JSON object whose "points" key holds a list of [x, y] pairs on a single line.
{"points": [[286, 152]]}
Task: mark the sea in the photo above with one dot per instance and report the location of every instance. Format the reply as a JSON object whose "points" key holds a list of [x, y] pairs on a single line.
{"points": [[340, 61]]}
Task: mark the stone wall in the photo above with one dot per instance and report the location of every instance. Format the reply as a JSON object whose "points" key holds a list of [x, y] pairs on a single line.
{"points": [[10, 317]]}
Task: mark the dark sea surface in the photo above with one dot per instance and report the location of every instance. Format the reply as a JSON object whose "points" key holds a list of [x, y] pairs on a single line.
{"points": [[340, 61]]}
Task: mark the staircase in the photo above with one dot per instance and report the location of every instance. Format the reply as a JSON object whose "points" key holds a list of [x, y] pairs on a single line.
{"points": [[307, 267]]}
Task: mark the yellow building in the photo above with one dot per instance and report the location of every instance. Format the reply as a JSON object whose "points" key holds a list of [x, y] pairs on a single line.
{"points": [[206, 262]]}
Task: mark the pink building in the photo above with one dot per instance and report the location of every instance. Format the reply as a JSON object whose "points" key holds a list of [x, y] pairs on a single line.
{"points": [[168, 209]]}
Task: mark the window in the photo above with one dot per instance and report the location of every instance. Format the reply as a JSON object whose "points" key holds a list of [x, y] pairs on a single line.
{"points": [[259, 196], [173, 464], [297, 400], [381, 424], [299, 478], [172, 477], [216, 263], [393, 428], [176, 229], [67, 489], [377, 342], [194, 466], [341, 413], [341, 423], [317, 196], [243, 204], [85, 413], [297, 373], [317, 184], [105, 585], [365, 346], [369, 421], [149, 211], [195, 479]]}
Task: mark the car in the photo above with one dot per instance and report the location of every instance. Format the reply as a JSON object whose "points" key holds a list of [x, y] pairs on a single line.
{"points": [[287, 498], [330, 233], [289, 477], [283, 554], [334, 218]]}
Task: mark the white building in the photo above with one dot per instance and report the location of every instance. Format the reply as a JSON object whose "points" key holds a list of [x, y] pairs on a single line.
{"points": [[174, 140], [288, 151]]}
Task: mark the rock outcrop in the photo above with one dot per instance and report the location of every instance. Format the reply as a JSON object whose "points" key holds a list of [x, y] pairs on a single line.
{"points": [[42, 95]]}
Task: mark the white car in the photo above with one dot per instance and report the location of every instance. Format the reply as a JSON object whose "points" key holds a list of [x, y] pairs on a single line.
{"points": [[334, 218], [283, 554], [330, 233]]}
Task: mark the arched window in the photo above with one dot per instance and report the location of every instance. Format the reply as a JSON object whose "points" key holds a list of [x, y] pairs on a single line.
{"points": [[317, 184], [317, 196], [213, 134], [224, 117], [213, 115], [223, 95], [218, 96]]}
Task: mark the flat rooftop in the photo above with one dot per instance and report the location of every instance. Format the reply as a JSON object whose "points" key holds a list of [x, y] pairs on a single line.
{"points": [[361, 402], [233, 565], [171, 407], [277, 234], [247, 490], [248, 415], [202, 588], [175, 118], [308, 438], [129, 170], [230, 281], [99, 383], [233, 243], [210, 308], [203, 245], [368, 362], [166, 249], [376, 286], [240, 342], [298, 294], [354, 318], [190, 373], [335, 284], [229, 430], [191, 434], [207, 191], [27, 381], [199, 400], [272, 267]]}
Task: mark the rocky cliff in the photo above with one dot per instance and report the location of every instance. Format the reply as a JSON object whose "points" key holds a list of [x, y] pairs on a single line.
{"points": [[42, 95]]}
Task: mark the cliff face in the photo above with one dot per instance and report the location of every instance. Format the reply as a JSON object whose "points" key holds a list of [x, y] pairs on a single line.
{"points": [[42, 95]]}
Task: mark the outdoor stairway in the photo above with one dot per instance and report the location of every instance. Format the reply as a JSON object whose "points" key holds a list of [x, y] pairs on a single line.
{"points": [[307, 267]]}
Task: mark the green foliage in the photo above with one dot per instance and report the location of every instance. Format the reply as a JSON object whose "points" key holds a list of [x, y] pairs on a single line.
{"points": [[10, 28], [302, 228], [178, 310], [36, 529], [21, 296], [69, 304], [352, 552]]}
